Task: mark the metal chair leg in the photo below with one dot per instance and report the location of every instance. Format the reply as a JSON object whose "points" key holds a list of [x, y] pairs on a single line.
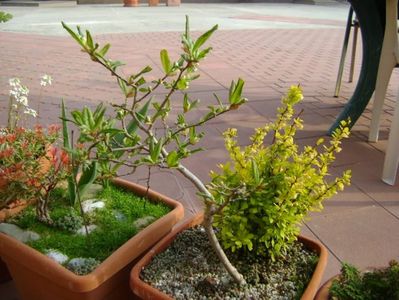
{"points": [[343, 53], [354, 45]]}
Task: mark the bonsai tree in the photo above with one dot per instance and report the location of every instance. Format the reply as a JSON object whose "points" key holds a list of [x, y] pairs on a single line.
{"points": [[146, 136], [262, 195]]}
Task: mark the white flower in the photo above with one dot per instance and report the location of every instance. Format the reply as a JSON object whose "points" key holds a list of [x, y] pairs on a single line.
{"points": [[13, 93], [45, 80], [14, 81], [30, 111], [23, 100]]}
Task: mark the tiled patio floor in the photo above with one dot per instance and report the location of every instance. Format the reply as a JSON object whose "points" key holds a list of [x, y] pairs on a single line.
{"points": [[359, 225]]}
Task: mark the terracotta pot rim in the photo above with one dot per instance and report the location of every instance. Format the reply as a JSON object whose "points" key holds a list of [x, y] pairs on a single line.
{"points": [[324, 291], [110, 266], [142, 289]]}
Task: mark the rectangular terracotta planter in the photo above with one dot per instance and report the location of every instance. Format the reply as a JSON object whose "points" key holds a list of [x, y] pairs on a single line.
{"points": [[38, 277], [173, 2], [145, 291]]}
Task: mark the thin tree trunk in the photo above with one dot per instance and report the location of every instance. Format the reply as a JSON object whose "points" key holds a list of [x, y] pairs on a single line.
{"points": [[207, 223], [42, 211]]}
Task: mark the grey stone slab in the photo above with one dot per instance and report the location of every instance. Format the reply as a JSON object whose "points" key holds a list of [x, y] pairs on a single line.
{"points": [[364, 237], [333, 264], [351, 199]]}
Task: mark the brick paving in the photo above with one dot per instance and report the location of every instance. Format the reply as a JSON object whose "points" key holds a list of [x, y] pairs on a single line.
{"points": [[359, 225]]}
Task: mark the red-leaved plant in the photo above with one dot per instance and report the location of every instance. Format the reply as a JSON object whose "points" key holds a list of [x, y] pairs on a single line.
{"points": [[31, 165]]}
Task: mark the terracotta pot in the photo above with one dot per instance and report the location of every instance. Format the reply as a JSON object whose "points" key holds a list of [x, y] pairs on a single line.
{"points": [[173, 2], [130, 3], [146, 292], [38, 277], [324, 292], [153, 2], [4, 273]]}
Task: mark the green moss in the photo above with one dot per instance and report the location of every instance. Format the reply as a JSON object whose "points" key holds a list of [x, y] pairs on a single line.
{"points": [[110, 234]]}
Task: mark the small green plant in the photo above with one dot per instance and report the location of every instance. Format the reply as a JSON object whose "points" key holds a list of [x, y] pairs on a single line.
{"points": [[5, 17], [263, 194], [374, 285], [82, 266], [71, 221]]}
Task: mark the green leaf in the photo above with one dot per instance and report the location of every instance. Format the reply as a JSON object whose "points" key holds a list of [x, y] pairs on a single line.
{"points": [[255, 171], [112, 131], [204, 37], [172, 159], [167, 67], [77, 117], [122, 86], [99, 116], [141, 81], [131, 128], [155, 149], [204, 53], [73, 34], [115, 64], [68, 146], [193, 136], [143, 71], [89, 40], [65, 133], [90, 118], [236, 91], [104, 50], [186, 103], [182, 84], [88, 176]]}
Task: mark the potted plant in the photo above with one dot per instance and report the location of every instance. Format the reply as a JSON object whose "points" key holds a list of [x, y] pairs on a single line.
{"points": [[23, 154], [99, 149], [131, 3], [381, 283], [255, 204]]}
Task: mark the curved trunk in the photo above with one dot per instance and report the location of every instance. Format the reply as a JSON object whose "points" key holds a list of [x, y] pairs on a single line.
{"points": [[208, 220], [42, 211]]}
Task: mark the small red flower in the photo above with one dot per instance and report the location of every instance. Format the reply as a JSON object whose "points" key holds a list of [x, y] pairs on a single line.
{"points": [[39, 130], [53, 129], [64, 158], [11, 138], [33, 182], [52, 151], [20, 130], [6, 153]]}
